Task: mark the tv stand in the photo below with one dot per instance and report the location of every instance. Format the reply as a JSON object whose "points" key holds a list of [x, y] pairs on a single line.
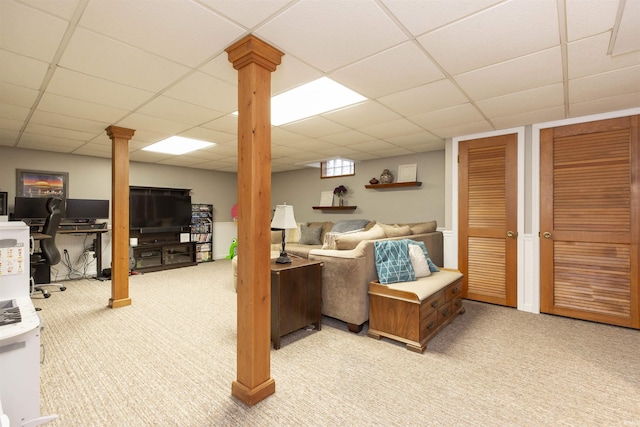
{"points": [[161, 251]]}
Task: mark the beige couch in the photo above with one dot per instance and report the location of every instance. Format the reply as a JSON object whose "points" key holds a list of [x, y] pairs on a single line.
{"points": [[347, 272]]}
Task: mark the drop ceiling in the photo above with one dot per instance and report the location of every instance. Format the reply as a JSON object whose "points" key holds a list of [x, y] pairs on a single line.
{"points": [[431, 69]]}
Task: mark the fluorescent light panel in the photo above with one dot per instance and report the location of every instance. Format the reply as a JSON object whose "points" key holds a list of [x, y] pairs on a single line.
{"points": [[177, 145], [316, 97]]}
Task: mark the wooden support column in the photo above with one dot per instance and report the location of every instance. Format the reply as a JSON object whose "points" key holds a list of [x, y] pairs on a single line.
{"points": [[255, 61], [119, 215]]}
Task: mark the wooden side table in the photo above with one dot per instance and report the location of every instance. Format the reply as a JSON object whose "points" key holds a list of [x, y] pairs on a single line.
{"points": [[296, 297]]}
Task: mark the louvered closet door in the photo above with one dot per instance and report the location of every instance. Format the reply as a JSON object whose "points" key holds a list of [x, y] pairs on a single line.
{"points": [[487, 243], [589, 221]]}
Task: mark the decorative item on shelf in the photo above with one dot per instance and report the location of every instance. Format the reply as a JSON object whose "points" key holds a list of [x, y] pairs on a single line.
{"points": [[386, 177], [373, 181], [283, 219], [340, 191]]}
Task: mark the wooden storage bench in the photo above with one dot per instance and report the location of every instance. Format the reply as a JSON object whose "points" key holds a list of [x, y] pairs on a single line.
{"points": [[414, 312]]}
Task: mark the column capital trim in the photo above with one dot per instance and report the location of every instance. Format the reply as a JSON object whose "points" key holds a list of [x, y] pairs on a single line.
{"points": [[118, 132], [252, 50]]}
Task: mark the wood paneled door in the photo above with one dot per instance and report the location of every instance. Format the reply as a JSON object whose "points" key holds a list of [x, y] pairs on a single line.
{"points": [[487, 240], [590, 221]]}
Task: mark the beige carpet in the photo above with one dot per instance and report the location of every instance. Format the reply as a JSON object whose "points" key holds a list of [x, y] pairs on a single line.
{"points": [[169, 360]]}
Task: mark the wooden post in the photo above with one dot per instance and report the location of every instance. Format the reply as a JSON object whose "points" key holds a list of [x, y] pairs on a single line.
{"points": [[119, 215], [255, 61]]}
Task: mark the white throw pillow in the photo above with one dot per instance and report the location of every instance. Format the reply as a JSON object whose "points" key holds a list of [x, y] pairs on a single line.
{"points": [[419, 261]]}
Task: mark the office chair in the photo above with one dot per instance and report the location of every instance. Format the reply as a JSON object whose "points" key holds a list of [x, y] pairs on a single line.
{"points": [[49, 252]]}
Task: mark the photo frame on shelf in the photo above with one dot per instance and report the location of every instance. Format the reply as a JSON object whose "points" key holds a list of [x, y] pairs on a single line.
{"points": [[30, 183], [326, 198], [407, 173]]}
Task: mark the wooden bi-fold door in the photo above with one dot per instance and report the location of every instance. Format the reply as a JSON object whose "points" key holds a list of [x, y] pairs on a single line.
{"points": [[590, 221], [487, 219]]}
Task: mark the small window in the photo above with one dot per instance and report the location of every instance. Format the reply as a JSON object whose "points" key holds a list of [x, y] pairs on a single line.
{"points": [[337, 167]]}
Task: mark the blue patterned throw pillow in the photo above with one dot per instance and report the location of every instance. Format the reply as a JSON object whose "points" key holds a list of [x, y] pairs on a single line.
{"points": [[432, 267], [392, 261]]}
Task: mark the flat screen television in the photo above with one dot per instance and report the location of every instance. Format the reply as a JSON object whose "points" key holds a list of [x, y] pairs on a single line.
{"points": [[30, 208], [159, 212], [89, 210]]}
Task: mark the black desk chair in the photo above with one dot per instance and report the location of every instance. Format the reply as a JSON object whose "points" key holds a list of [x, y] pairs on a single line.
{"points": [[49, 252]]}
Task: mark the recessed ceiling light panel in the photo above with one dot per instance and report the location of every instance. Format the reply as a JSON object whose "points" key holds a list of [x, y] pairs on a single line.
{"points": [[178, 145]]}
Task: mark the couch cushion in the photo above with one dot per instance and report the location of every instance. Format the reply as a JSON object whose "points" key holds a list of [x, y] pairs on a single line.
{"points": [[418, 261], [310, 235], [349, 225], [292, 235], [423, 227], [329, 241], [348, 241], [326, 227], [432, 267], [396, 230], [392, 261]]}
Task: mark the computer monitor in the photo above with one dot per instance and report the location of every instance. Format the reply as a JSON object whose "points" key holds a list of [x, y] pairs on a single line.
{"points": [[30, 208], [86, 209]]}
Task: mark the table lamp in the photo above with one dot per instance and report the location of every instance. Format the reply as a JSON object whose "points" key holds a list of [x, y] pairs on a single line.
{"points": [[283, 219]]}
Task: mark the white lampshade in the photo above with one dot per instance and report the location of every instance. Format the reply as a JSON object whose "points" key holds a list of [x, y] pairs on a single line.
{"points": [[283, 217]]}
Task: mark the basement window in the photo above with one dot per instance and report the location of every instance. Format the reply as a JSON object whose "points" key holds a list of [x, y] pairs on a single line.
{"points": [[337, 167]]}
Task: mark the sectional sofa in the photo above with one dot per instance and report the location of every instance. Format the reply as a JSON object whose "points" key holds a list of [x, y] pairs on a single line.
{"points": [[347, 250]]}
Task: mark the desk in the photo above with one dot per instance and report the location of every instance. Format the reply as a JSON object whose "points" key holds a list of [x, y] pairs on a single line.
{"points": [[98, 232]]}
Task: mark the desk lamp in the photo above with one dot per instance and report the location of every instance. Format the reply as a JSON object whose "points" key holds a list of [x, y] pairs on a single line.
{"points": [[283, 219]]}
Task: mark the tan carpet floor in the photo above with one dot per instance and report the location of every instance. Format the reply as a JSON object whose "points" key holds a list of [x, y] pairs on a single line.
{"points": [[169, 360]]}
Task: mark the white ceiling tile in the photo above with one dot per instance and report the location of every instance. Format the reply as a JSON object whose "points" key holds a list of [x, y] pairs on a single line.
{"points": [[420, 16], [29, 140], [291, 73], [347, 138], [220, 68], [28, 31], [589, 56], [68, 122], [209, 135], [8, 138], [226, 124], [16, 95], [97, 55], [143, 137], [93, 148], [78, 108], [142, 121], [21, 71], [390, 129], [588, 17], [518, 28], [429, 97], [529, 117], [465, 113], [363, 114], [13, 112], [207, 91], [247, 13], [414, 140], [182, 161], [81, 86], [463, 129], [74, 135], [147, 156], [179, 111], [357, 29], [520, 102], [613, 83], [11, 125], [399, 68], [628, 38], [372, 145], [315, 127], [538, 69], [185, 32], [612, 103]]}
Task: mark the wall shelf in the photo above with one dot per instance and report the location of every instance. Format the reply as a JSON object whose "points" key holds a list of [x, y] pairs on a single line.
{"points": [[394, 185], [335, 208]]}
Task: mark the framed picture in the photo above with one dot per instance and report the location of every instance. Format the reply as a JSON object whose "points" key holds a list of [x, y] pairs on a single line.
{"points": [[326, 198], [41, 183], [407, 173]]}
